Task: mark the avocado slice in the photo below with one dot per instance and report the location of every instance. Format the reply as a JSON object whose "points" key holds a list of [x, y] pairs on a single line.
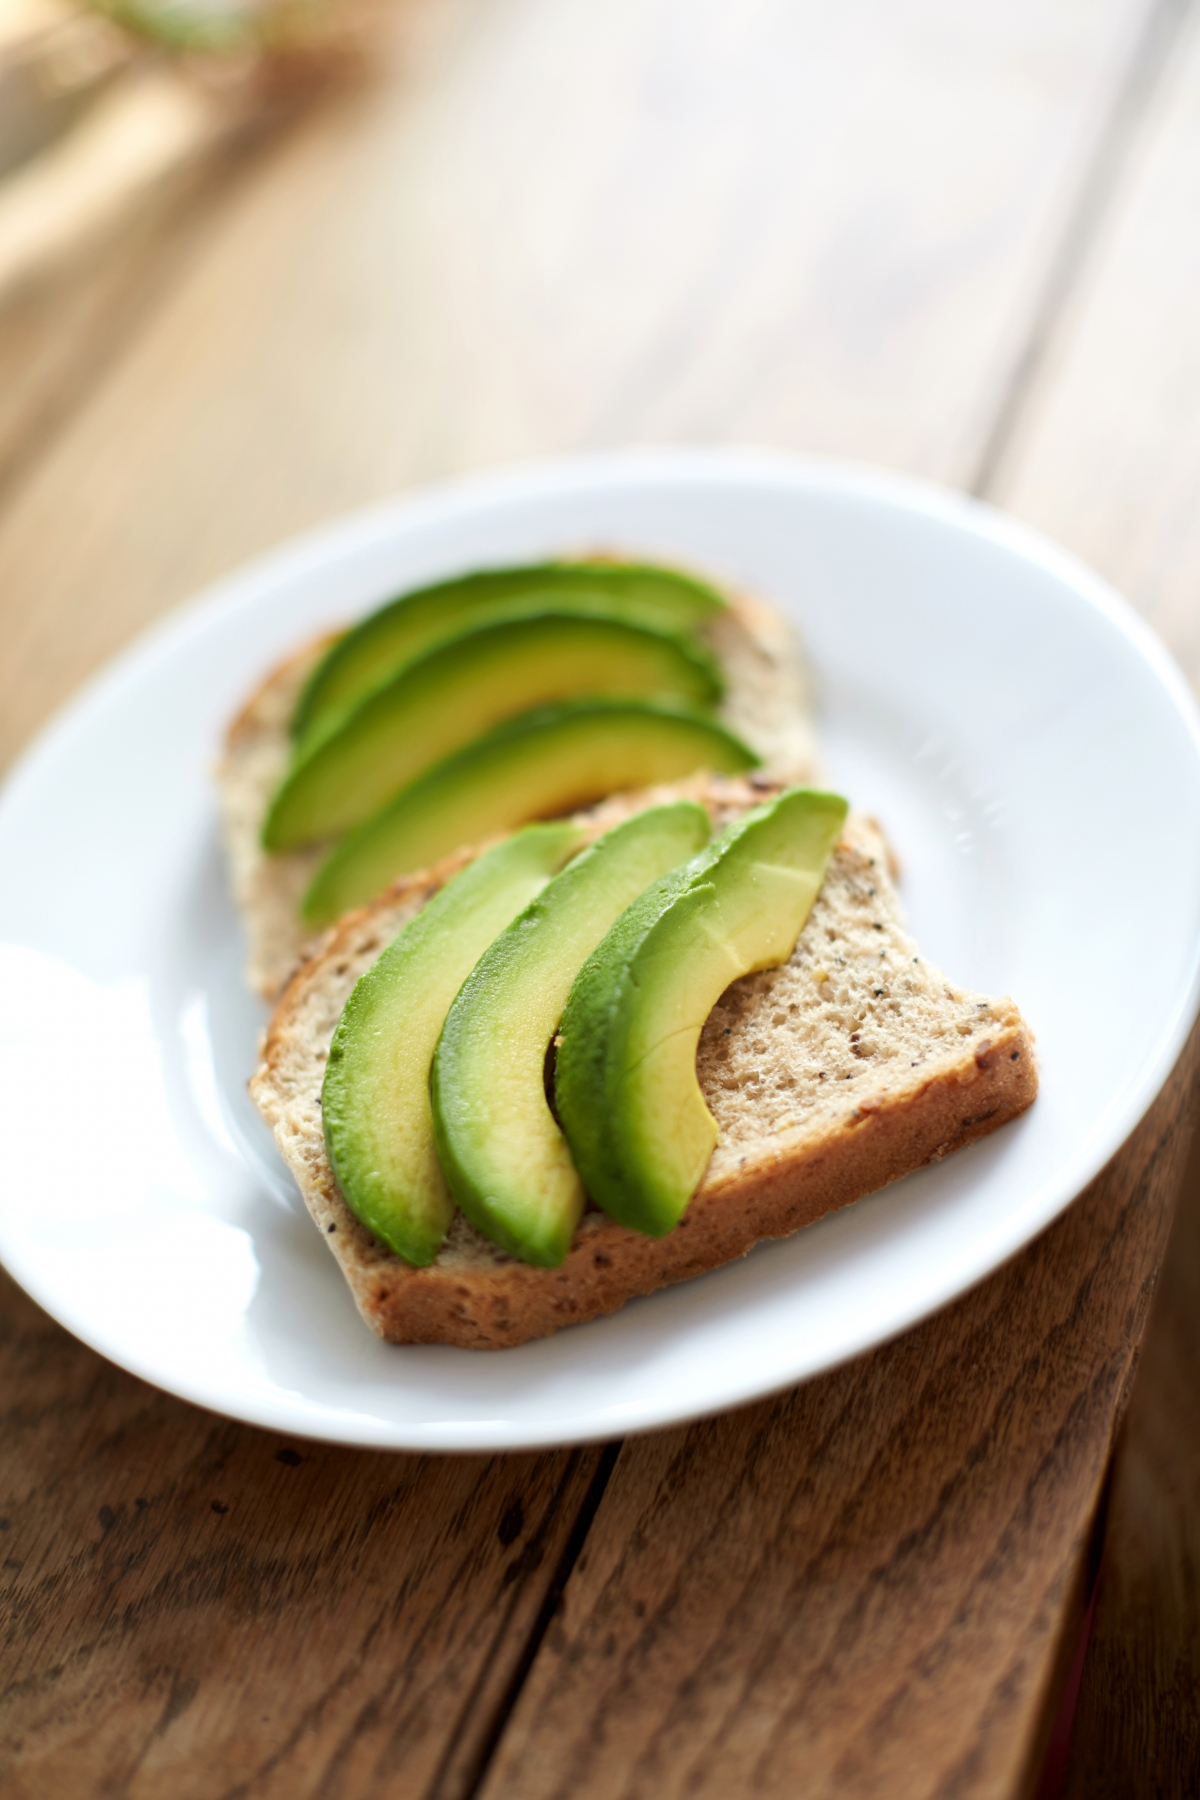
{"points": [[546, 762], [461, 688], [505, 1159], [375, 1097], [625, 1074], [381, 644]]}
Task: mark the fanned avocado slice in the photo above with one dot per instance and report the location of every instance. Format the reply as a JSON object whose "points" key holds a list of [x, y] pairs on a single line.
{"points": [[462, 688], [375, 1098], [378, 647], [540, 765], [505, 1159], [625, 1075]]}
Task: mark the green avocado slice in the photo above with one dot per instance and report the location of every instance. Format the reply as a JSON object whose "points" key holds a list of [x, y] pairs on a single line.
{"points": [[381, 644], [375, 1097], [625, 1074], [463, 688], [544, 763], [505, 1159]]}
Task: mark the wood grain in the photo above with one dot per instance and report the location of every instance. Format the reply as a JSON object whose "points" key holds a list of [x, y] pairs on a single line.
{"points": [[757, 1610], [1109, 458], [1138, 1724], [1111, 462], [195, 1608], [555, 224]]}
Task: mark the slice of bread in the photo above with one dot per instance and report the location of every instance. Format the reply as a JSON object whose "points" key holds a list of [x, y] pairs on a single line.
{"points": [[852, 1064], [766, 704]]}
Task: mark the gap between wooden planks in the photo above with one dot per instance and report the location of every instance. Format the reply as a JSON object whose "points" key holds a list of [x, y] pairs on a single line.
{"points": [[550, 227], [1110, 456], [367, 1632], [198, 1606], [753, 1613], [1138, 1718]]}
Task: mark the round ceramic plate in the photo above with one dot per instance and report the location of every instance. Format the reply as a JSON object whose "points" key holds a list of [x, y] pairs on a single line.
{"points": [[1029, 746]]}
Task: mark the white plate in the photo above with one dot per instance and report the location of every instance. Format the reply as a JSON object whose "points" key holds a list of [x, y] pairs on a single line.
{"points": [[1031, 748]]}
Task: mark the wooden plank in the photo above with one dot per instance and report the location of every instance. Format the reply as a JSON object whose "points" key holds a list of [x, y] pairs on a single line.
{"points": [[1109, 459], [786, 1648], [550, 226], [558, 224], [862, 1587], [191, 1607], [1137, 1727], [1157, 47], [1112, 464]]}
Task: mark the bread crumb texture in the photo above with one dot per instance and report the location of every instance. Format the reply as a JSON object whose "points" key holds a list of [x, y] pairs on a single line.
{"points": [[854, 1007], [268, 889], [851, 1065]]}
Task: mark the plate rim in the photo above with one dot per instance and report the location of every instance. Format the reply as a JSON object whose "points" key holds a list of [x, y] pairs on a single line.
{"points": [[545, 478]]}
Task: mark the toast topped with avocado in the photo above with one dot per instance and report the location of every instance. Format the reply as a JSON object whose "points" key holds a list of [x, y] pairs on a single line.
{"points": [[458, 712], [624, 1048]]}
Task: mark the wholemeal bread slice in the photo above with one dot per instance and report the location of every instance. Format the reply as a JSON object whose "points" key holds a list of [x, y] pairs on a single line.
{"points": [[766, 704], [852, 1064]]}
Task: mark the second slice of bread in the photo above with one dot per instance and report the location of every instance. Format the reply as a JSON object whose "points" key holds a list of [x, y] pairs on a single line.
{"points": [[766, 703], [852, 1064]]}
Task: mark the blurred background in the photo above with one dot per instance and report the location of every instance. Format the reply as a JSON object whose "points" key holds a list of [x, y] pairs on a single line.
{"points": [[260, 263]]}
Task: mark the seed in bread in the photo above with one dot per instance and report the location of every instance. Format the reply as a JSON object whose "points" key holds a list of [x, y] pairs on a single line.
{"points": [[853, 1063]]}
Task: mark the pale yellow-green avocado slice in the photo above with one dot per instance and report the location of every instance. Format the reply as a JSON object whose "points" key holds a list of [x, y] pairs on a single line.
{"points": [[625, 1074], [375, 1098], [505, 1159], [393, 635], [544, 763], [463, 688]]}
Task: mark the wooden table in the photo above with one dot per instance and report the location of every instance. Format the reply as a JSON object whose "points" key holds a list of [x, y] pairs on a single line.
{"points": [[957, 239]]}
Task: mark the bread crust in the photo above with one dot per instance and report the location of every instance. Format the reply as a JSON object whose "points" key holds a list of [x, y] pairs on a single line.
{"points": [[865, 1123]]}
